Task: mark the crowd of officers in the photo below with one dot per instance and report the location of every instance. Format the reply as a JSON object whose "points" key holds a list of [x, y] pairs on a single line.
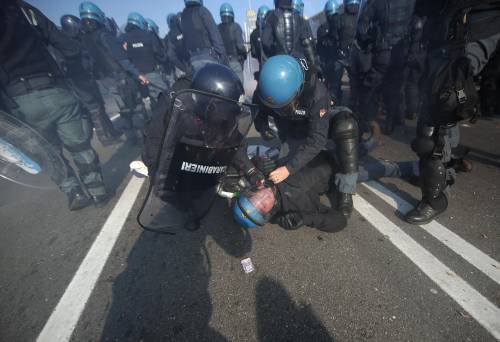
{"points": [[393, 52]]}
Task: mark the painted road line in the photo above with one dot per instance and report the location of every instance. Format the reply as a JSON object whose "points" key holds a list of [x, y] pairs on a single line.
{"points": [[483, 311], [114, 117], [65, 316], [473, 255]]}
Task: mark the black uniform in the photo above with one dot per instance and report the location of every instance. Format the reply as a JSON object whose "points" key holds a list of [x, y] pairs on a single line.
{"points": [[383, 29], [116, 75], [335, 42], [232, 36], [177, 54], [34, 90], [256, 46], [202, 39], [448, 90], [286, 32], [299, 198]]}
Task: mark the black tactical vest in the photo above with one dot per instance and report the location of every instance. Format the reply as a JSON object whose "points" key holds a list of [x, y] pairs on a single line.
{"points": [[104, 64], [398, 15], [288, 29], [347, 31], [195, 35], [140, 50]]}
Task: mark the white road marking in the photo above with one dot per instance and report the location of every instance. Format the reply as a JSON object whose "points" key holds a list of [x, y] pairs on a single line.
{"points": [[483, 311], [65, 316], [114, 117], [473, 255]]}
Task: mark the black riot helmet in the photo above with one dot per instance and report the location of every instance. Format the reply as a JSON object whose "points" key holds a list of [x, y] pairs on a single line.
{"points": [[70, 25], [218, 79], [288, 4]]}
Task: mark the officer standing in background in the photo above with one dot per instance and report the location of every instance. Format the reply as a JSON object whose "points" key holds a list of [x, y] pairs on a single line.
{"points": [[202, 39], [256, 48], [383, 29], [34, 89], [287, 33], [87, 89], [461, 36], [114, 72], [301, 107], [298, 7], [145, 52], [326, 45], [177, 56], [232, 36]]}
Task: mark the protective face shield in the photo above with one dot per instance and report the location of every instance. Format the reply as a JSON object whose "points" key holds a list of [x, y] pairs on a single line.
{"points": [[254, 209], [261, 14], [331, 8], [226, 10], [298, 7], [281, 82], [352, 6], [152, 27], [137, 20], [193, 2], [90, 11], [70, 25], [206, 129], [26, 158]]}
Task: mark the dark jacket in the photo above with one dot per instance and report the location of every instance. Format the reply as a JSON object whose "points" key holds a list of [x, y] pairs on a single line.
{"points": [[143, 49]]}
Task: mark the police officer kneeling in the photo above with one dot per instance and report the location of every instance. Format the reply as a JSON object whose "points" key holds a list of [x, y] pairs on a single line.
{"points": [[300, 105]]}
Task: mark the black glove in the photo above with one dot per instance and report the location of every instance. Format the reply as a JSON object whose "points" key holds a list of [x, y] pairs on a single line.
{"points": [[268, 134], [255, 177], [291, 221], [264, 165]]}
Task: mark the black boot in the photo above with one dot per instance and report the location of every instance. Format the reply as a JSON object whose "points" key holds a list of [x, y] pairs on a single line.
{"points": [[344, 204], [77, 200], [427, 210], [101, 200]]}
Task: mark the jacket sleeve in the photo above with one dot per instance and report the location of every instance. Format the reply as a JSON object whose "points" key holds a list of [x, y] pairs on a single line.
{"points": [[240, 44], [267, 37], [319, 123], [119, 54]]}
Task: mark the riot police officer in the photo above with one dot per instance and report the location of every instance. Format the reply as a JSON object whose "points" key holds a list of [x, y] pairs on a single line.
{"points": [[449, 91], [177, 56], [144, 50], [298, 7], [34, 89], [87, 89], [383, 28], [287, 32], [290, 92], [232, 36], [256, 48], [115, 73], [202, 39], [341, 35]]}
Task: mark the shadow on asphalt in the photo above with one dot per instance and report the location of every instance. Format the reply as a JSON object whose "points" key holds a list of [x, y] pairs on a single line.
{"points": [[483, 157], [279, 318], [163, 292], [116, 169]]}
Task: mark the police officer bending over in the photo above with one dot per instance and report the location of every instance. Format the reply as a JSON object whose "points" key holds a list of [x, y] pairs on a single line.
{"points": [[201, 36], [38, 95], [145, 52], [232, 36], [300, 105]]}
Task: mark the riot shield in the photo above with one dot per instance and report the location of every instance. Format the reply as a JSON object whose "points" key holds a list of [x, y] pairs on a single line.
{"points": [[26, 158], [203, 134]]}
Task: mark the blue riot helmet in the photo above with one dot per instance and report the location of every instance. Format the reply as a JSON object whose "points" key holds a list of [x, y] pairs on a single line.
{"points": [[89, 10], [151, 26], [261, 14], [331, 8], [226, 10], [136, 20], [170, 20], [70, 25], [193, 2], [281, 82], [255, 208], [298, 7], [352, 6]]}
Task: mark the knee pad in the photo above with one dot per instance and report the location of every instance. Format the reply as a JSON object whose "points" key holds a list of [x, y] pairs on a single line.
{"points": [[433, 176], [345, 133], [424, 144]]}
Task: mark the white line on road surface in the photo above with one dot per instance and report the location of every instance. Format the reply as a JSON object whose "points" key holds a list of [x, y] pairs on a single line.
{"points": [[65, 316], [483, 311], [114, 117], [473, 255]]}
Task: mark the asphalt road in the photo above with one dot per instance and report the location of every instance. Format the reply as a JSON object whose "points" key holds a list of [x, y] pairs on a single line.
{"points": [[380, 279]]}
